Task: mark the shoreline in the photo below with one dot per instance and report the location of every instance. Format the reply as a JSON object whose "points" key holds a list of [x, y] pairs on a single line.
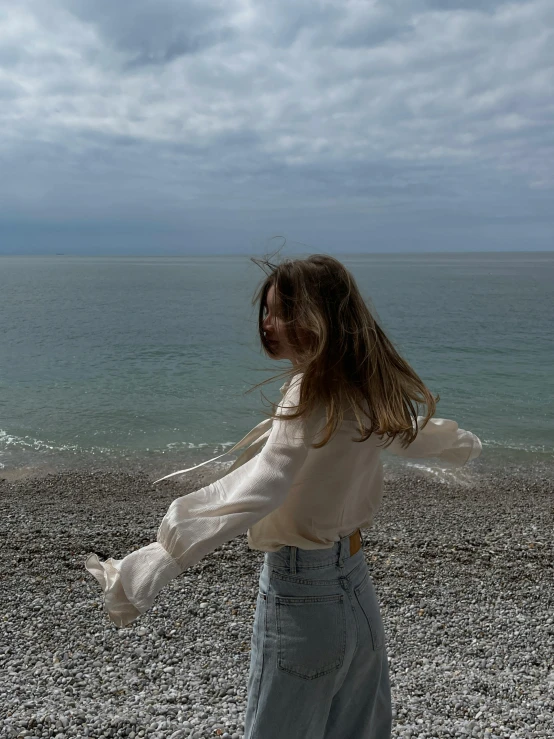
{"points": [[477, 472]]}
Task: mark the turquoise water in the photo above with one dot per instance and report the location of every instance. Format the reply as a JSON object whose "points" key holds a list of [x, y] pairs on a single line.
{"points": [[147, 359]]}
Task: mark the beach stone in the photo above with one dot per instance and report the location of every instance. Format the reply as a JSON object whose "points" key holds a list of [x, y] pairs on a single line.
{"points": [[464, 598]]}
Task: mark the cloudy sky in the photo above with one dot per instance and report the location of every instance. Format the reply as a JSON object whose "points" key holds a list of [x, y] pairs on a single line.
{"points": [[180, 126]]}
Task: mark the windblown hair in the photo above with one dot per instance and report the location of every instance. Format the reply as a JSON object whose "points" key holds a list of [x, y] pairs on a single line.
{"points": [[346, 359]]}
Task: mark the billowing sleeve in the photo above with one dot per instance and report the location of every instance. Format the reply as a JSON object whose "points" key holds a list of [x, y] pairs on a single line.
{"points": [[197, 523], [441, 438]]}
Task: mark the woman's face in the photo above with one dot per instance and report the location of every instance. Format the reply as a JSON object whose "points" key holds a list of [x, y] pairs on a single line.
{"points": [[274, 329]]}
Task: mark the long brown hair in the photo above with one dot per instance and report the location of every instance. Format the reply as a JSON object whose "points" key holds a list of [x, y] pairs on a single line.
{"points": [[346, 359]]}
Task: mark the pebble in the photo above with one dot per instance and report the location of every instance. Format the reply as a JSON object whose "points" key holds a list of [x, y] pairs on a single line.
{"points": [[464, 573]]}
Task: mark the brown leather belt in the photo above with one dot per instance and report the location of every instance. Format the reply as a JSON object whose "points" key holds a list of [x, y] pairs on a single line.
{"points": [[355, 542]]}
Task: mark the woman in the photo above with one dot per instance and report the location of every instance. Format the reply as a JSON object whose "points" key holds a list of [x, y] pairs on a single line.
{"points": [[309, 479]]}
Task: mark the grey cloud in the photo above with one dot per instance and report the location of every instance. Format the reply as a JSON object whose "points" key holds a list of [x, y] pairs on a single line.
{"points": [[482, 6], [337, 118], [372, 34], [155, 32], [181, 45], [10, 90], [10, 56]]}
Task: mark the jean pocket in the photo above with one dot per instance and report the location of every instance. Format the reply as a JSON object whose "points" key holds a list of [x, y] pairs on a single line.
{"points": [[369, 605], [311, 634]]}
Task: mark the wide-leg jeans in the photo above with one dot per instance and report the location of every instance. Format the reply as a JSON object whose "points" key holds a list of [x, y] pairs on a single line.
{"points": [[318, 667]]}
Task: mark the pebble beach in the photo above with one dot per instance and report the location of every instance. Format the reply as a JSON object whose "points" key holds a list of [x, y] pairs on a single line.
{"points": [[464, 573]]}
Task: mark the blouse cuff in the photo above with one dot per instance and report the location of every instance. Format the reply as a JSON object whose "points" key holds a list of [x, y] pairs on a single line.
{"points": [[131, 584], [464, 448]]}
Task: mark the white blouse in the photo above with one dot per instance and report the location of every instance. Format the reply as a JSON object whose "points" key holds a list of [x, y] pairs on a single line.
{"points": [[287, 494]]}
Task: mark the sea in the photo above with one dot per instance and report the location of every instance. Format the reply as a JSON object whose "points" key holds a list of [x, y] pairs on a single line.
{"points": [[147, 362]]}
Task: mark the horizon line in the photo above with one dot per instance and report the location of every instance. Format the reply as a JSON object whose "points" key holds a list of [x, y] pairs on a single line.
{"points": [[246, 254]]}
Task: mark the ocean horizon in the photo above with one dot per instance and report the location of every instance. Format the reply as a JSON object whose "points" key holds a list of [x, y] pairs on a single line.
{"points": [[145, 361]]}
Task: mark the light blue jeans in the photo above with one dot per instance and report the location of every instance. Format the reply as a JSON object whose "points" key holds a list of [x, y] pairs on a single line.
{"points": [[318, 666]]}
